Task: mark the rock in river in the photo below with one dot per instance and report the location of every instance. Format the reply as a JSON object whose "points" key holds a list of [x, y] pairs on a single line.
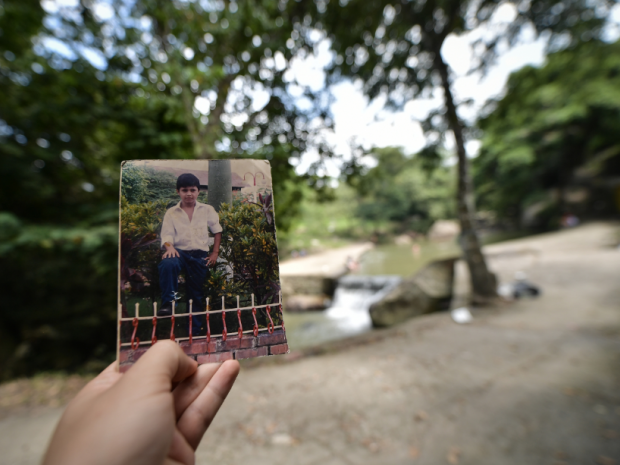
{"points": [[427, 291]]}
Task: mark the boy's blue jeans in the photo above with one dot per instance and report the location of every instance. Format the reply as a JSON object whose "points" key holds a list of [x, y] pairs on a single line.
{"points": [[195, 266]]}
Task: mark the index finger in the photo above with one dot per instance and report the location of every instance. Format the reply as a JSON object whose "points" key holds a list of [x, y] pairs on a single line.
{"points": [[200, 413], [163, 364], [187, 391]]}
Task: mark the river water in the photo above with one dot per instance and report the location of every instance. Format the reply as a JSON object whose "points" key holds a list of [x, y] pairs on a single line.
{"points": [[404, 260], [379, 270]]}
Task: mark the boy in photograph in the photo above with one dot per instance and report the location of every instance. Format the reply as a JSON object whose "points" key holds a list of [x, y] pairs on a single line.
{"points": [[185, 236]]}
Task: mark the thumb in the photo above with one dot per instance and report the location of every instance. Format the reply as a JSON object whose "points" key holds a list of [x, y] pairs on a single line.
{"points": [[163, 364]]}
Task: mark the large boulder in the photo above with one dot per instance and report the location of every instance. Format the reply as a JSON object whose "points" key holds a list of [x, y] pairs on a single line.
{"points": [[427, 291]]}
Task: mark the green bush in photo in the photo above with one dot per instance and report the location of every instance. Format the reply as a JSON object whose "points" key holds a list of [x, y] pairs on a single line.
{"points": [[249, 247]]}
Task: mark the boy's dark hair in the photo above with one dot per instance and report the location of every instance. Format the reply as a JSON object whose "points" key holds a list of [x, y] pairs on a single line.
{"points": [[187, 180]]}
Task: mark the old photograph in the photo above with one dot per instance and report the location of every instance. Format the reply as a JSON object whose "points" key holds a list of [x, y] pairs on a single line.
{"points": [[198, 261]]}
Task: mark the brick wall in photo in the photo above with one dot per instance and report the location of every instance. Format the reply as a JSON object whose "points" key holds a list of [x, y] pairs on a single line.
{"points": [[219, 350]]}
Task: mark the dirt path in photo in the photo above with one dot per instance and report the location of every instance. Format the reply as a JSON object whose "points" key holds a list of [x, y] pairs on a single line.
{"points": [[534, 382]]}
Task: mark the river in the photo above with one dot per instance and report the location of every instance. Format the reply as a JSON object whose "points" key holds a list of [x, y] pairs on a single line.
{"points": [[348, 313], [379, 268]]}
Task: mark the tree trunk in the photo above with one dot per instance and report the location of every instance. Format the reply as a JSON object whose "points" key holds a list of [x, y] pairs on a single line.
{"points": [[220, 183], [483, 282], [204, 136]]}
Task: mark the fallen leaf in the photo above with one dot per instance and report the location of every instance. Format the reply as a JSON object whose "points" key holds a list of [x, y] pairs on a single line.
{"points": [[421, 415], [414, 452], [453, 456]]}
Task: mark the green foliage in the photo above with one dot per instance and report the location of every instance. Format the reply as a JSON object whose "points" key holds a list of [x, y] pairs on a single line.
{"points": [[63, 134], [557, 126], [65, 127], [66, 167], [146, 184], [398, 195], [19, 20], [10, 227], [142, 221], [249, 247], [400, 190], [200, 48], [58, 311], [220, 285], [134, 187], [325, 224], [394, 48], [140, 249], [162, 185]]}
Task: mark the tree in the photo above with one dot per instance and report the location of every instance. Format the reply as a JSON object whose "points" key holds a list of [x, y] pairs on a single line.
{"points": [[66, 124], [402, 190], [63, 133], [556, 126], [219, 68], [162, 185], [394, 48], [207, 59], [135, 185]]}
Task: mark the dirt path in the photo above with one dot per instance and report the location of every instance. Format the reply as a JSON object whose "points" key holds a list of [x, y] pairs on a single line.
{"points": [[536, 382], [328, 263]]}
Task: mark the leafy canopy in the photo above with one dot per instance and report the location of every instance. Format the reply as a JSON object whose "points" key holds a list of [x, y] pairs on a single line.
{"points": [[556, 126], [170, 80], [400, 190]]}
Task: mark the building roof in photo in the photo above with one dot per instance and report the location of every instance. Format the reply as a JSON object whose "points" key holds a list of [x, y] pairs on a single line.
{"points": [[203, 176]]}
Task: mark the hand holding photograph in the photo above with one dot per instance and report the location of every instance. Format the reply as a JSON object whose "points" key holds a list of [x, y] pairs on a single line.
{"points": [[198, 260]]}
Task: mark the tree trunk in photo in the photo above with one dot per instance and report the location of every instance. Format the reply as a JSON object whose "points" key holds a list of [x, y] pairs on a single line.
{"points": [[220, 183], [483, 282]]}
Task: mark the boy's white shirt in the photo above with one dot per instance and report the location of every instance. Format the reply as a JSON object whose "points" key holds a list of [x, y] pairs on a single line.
{"points": [[185, 235]]}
